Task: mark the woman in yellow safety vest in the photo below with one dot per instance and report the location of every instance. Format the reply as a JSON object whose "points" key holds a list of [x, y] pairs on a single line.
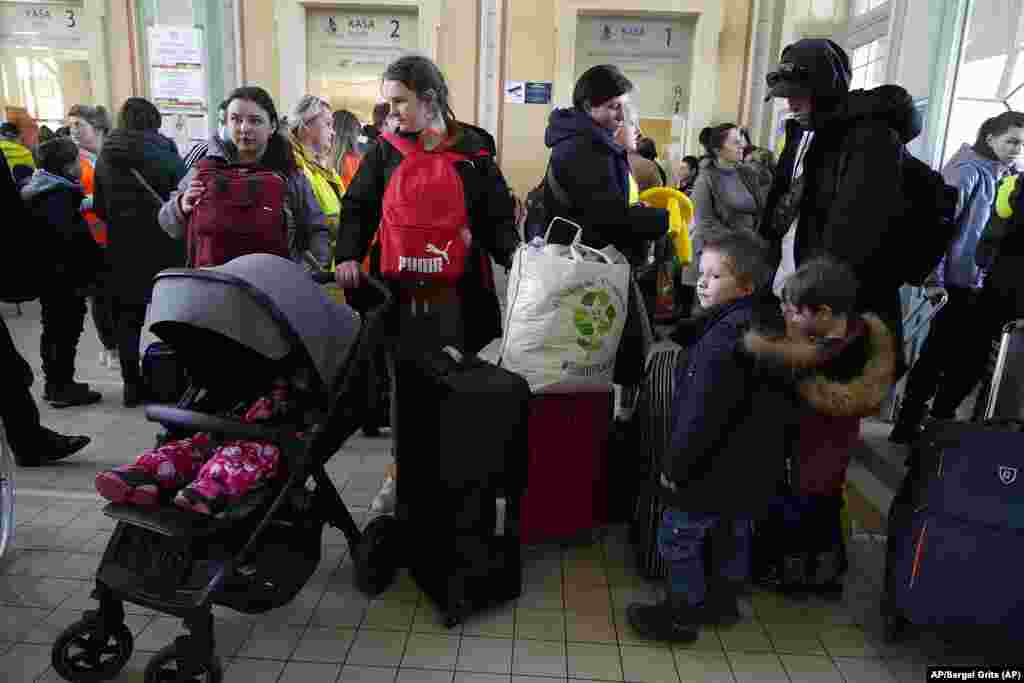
{"points": [[312, 132]]}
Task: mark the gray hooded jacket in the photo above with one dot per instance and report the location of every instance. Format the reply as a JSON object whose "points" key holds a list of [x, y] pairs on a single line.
{"points": [[975, 177], [306, 222]]}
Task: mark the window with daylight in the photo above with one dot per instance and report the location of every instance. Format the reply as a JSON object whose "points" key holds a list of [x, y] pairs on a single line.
{"points": [[859, 7], [870, 63], [990, 71], [867, 42]]}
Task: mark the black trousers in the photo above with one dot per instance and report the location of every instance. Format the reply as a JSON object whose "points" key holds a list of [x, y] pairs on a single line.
{"points": [[102, 308], [130, 317], [17, 407], [63, 318], [952, 358]]}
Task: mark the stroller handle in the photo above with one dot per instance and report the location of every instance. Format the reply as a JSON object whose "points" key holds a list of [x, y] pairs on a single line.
{"points": [[322, 277]]}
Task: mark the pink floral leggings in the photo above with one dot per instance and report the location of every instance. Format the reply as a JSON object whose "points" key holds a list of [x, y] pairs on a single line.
{"points": [[209, 476]]}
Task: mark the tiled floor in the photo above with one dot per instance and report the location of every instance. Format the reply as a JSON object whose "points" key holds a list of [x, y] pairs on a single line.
{"points": [[568, 625]]}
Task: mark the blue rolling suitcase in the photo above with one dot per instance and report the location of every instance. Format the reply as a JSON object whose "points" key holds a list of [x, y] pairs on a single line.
{"points": [[956, 531]]}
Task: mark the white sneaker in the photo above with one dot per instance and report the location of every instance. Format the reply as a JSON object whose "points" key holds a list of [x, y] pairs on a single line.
{"points": [[384, 502], [113, 359]]}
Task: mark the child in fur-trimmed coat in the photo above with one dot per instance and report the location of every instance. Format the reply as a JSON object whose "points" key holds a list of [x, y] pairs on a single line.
{"points": [[843, 366]]}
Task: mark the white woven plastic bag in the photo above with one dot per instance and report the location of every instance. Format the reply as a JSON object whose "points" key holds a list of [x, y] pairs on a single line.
{"points": [[565, 315]]}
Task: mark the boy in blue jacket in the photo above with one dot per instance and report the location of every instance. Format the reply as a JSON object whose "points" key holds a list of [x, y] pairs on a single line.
{"points": [[53, 196], [731, 427]]}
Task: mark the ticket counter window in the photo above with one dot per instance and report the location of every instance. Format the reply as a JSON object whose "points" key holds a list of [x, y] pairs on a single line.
{"points": [[44, 60], [348, 51]]}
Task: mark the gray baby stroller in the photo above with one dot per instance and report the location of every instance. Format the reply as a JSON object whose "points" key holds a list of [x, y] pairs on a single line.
{"points": [[236, 327]]}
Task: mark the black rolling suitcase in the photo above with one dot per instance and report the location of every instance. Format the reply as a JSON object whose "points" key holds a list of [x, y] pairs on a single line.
{"points": [[463, 455], [654, 417]]}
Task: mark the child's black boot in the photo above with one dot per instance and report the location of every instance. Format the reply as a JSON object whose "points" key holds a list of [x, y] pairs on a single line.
{"points": [[672, 620]]}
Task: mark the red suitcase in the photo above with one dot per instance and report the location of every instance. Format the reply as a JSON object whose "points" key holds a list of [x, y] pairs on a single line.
{"points": [[567, 481]]}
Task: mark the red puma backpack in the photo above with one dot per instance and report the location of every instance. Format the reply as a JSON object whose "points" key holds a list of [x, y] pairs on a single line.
{"points": [[424, 228], [241, 212]]}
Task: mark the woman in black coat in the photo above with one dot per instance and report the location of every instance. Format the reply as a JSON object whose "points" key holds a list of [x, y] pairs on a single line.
{"points": [[138, 248], [593, 172]]}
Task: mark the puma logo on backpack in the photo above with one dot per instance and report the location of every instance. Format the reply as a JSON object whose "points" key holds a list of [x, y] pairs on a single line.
{"points": [[241, 212], [424, 228]]}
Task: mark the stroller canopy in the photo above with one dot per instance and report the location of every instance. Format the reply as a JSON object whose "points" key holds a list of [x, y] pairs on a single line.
{"points": [[265, 303]]}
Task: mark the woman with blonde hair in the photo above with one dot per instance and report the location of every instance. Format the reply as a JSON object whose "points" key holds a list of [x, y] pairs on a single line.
{"points": [[345, 155], [311, 132]]}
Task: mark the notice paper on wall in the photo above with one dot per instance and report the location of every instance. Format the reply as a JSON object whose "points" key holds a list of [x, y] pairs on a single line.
{"points": [[176, 67], [527, 92], [515, 92]]}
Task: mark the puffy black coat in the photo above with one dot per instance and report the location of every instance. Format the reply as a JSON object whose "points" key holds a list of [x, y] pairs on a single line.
{"points": [[594, 172], [20, 278], [71, 259], [137, 247], [492, 222], [850, 213]]}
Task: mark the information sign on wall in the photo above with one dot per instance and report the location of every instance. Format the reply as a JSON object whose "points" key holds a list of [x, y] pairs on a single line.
{"points": [[654, 53], [176, 67], [349, 50], [48, 24]]}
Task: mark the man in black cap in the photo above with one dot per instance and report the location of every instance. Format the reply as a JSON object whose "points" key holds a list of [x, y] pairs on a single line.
{"points": [[32, 444], [838, 187]]}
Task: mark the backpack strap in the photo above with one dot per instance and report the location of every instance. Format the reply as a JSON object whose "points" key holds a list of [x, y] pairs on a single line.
{"points": [[403, 145]]}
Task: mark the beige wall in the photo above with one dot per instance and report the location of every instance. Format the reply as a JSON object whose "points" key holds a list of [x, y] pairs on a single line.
{"points": [[536, 53], [274, 52], [75, 82], [733, 58], [538, 45], [259, 46]]}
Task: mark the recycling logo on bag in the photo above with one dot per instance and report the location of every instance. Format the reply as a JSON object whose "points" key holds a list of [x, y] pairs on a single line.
{"points": [[594, 318]]}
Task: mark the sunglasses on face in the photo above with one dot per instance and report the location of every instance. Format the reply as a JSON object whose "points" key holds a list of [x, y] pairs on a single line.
{"points": [[793, 73]]}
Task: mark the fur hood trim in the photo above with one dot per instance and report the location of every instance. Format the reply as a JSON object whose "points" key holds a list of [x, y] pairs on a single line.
{"points": [[858, 397]]}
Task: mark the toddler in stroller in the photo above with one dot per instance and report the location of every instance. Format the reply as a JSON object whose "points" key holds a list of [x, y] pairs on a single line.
{"points": [[207, 476], [239, 328]]}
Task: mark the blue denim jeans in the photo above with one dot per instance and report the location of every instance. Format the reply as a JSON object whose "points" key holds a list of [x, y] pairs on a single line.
{"points": [[680, 542]]}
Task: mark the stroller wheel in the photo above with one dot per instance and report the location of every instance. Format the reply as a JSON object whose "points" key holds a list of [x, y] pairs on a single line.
{"points": [[79, 656], [166, 666], [376, 557]]}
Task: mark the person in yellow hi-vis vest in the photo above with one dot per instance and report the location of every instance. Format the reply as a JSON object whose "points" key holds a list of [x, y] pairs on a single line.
{"points": [[312, 133]]}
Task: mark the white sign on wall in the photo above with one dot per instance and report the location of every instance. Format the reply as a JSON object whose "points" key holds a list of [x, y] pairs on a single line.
{"points": [[49, 24], [655, 54], [176, 67], [349, 50]]}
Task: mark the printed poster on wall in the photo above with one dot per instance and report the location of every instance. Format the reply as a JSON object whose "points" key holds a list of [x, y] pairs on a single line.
{"points": [[176, 67]]}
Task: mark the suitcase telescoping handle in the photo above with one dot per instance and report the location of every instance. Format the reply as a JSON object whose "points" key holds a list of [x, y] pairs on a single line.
{"points": [[1009, 329], [938, 298]]}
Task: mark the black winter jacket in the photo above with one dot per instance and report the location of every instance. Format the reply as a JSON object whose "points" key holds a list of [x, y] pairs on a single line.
{"points": [[138, 248], [72, 259], [594, 172], [492, 222], [848, 213]]}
